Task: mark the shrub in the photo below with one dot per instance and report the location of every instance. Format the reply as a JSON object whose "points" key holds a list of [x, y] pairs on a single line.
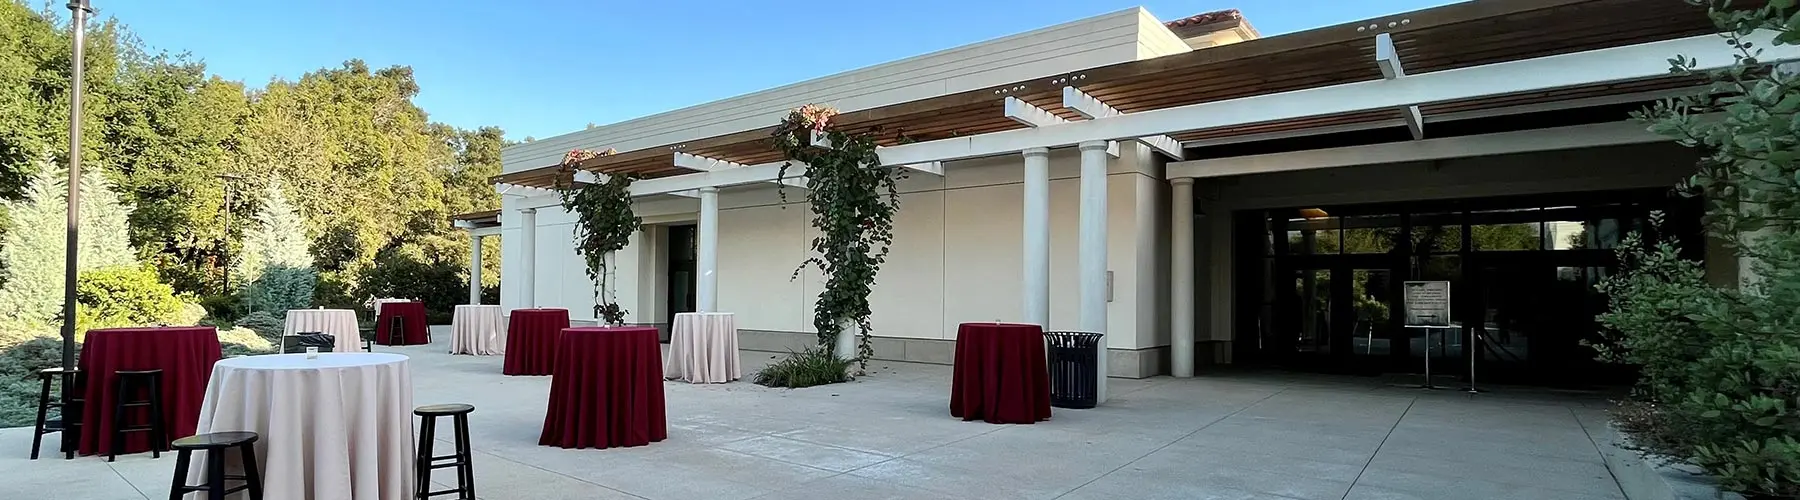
{"points": [[191, 314], [815, 366], [264, 324], [245, 342], [19, 386], [225, 308], [282, 288], [124, 296]]}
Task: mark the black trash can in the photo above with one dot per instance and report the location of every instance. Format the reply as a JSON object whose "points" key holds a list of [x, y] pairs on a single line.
{"points": [[1074, 362]]}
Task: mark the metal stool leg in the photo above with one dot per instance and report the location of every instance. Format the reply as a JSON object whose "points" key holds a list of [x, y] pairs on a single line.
{"points": [[422, 465]]}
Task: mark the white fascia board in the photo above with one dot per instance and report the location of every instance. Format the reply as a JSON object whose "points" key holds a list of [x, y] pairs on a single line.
{"points": [[1584, 102], [1094, 109], [718, 178], [518, 190], [1525, 141], [1646, 60], [462, 224]]}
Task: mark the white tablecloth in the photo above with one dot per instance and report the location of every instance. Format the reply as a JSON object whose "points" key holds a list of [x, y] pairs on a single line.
{"points": [[340, 323], [703, 348], [477, 330], [335, 427], [375, 304]]}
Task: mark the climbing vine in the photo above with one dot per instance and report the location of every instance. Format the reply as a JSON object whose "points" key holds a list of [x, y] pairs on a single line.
{"points": [[604, 224], [853, 201]]}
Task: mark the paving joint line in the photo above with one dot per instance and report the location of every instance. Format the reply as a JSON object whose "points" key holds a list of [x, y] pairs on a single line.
{"points": [[1176, 440], [134, 486], [1384, 439], [1602, 453]]}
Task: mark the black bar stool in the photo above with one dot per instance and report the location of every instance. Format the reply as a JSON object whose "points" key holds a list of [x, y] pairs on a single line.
{"points": [[148, 382], [397, 327], [68, 413], [215, 445], [465, 472]]}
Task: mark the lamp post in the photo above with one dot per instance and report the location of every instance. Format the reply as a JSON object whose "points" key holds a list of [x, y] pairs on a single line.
{"points": [[78, 10], [225, 241]]}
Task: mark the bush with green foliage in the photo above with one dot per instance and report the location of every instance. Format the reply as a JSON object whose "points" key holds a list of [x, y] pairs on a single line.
{"points": [[276, 263], [19, 385], [123, 297], [264, 324], [1720, 384], [32, 250], [815, 366]]}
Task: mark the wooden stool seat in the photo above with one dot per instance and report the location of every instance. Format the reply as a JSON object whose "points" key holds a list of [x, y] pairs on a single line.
{"points": [[215, 445]]}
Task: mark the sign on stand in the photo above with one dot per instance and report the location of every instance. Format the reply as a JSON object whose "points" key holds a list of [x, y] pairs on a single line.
{"points": [[1427, 306]]}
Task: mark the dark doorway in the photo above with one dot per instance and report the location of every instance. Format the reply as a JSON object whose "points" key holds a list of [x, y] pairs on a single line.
{"points": [[1323, 283], [682, 264]]}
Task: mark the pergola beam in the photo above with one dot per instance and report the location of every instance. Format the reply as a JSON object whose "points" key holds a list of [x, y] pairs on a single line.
{"points": [[821, 139], [1388, 60], [1631, 62], [1095, 109], [1030, 115], [705, 164]]}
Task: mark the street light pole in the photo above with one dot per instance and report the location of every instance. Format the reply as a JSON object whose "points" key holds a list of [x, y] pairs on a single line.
{"points": [[78, 10], [225, 243]]}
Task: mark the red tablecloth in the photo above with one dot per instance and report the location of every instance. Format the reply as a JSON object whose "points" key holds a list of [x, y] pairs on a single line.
{"points": [[417, 332], [1000, 374], [531, 340], [606, 390], [184, 354]]}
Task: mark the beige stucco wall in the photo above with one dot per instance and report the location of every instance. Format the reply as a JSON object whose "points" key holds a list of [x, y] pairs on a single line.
{"points": [[956, 255]]}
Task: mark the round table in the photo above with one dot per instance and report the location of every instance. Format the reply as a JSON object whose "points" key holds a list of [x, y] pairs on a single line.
{"points": [[531, 340], [606, 390], [184, 354], [703, 348], [339, 323], [335, 426], [417, 332], [1000, 375], [475, 329]]}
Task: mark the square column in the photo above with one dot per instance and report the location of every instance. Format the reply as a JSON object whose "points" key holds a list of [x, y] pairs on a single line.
{"points": [[706, 287], [474, 269], [1093, 252], [528, 248], [1181, 268], [1037, 236]]}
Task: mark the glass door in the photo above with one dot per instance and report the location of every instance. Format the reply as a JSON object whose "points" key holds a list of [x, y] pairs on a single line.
{"points": [[1339, 313]]}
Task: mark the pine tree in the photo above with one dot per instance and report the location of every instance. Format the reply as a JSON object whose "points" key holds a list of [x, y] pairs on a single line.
{"points": [[276, 261], [33, 249]]}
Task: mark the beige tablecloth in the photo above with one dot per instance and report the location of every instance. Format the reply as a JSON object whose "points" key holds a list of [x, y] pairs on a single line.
{"points": [[340, 323], [477, 330], [336, 427], [375, 304], [703, 348]]}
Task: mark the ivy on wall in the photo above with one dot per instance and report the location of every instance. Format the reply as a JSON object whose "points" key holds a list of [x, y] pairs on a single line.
{"points": [[604, 224], [853, 201]]}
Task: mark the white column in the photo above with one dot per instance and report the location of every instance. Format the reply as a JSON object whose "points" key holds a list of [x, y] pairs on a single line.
{"points": [[1181, 317], [1093, 250], [528, 253], [1037, 236], [474, 269], [707, 288]]}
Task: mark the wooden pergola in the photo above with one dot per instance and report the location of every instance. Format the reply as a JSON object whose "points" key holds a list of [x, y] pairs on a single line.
{"points": [[1454, 36]]}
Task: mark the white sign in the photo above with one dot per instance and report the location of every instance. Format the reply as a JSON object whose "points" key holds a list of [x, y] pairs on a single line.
{"points": [[1427, 303]]}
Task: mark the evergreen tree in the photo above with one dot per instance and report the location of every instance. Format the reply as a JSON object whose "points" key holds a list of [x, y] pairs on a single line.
{"points": [[276, 261], [33, 250]]}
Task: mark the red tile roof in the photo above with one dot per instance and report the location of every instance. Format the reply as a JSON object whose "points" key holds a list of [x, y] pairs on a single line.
{"points": [[1207, 18]]}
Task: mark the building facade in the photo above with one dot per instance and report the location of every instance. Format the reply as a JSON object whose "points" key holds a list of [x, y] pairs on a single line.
{"points": [[1200, 194]]}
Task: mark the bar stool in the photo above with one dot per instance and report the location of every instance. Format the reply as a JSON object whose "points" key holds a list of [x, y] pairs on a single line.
{"points": [[68, 413], [465, 472], [215, 445], [149, 382], [397, 327]]}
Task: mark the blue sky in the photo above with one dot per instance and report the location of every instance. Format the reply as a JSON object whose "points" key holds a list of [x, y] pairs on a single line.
{"points": [[547, 67]]}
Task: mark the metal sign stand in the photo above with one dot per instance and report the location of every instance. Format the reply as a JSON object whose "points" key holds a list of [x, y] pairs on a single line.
{"points": [[1428, 385], [1475, 341]]}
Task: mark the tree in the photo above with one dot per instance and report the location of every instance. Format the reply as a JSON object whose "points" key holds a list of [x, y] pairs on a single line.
{"points": [[276, 263], [33, 250]]}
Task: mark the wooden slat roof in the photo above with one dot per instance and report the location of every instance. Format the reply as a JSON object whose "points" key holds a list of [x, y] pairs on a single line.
{"points": [[1448, 37]]}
